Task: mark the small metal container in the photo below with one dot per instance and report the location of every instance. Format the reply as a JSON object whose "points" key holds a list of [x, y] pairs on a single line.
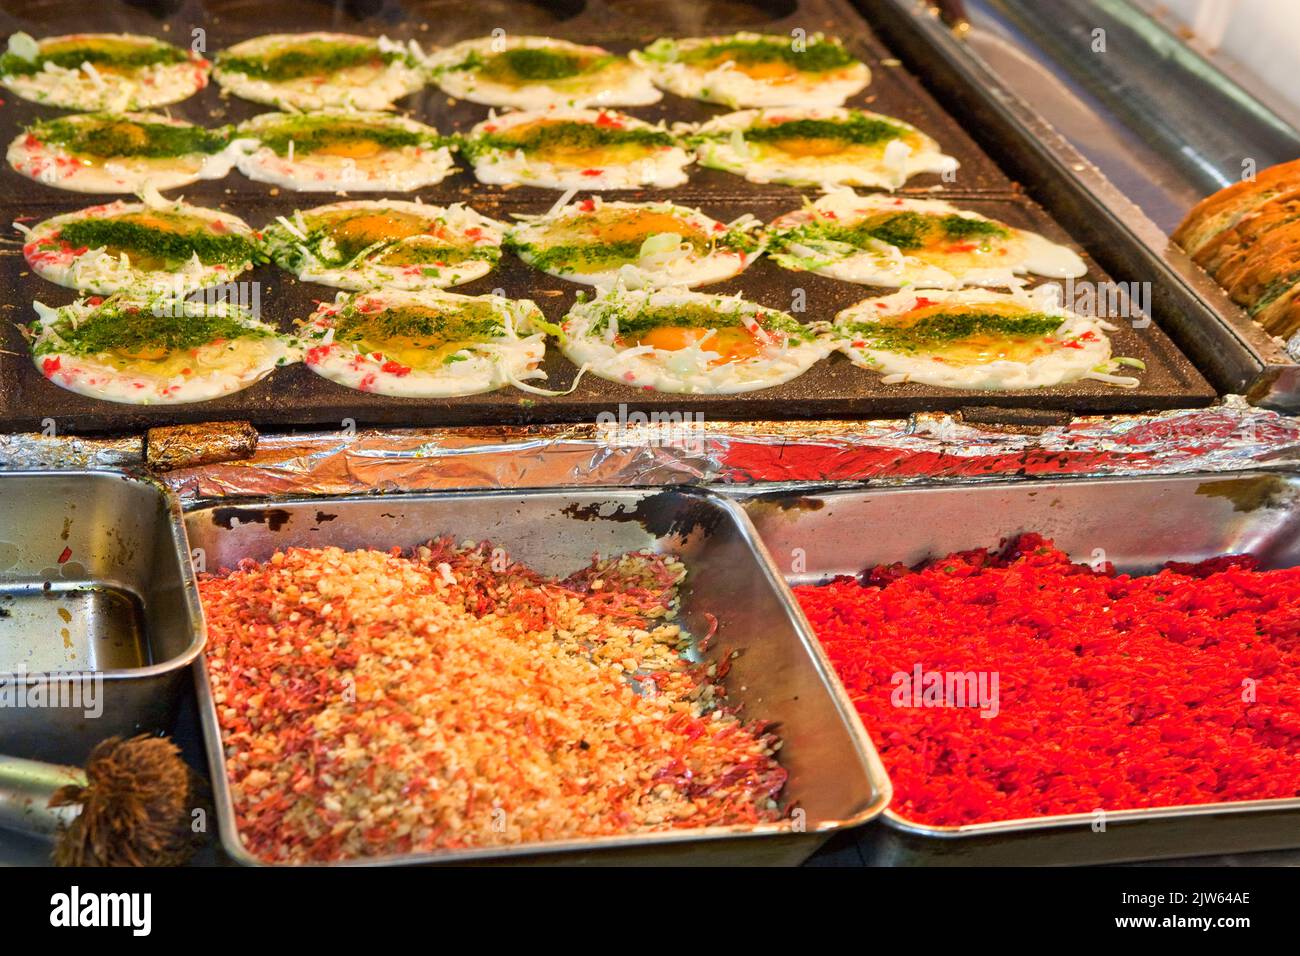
{"points": [[99, 613], [780, 675], [1136, 523]]}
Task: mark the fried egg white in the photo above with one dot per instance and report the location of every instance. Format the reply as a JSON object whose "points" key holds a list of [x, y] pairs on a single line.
{"points": [[343, 151], [119, 152], [976, 339], [753, 69], [638, 244], [671, 340], [364, 244], [538, 72], [142, 351], [140, 246], [426, 344], [825, 148], [891, 241], [101, 71], [575, 149], [314, 71]]}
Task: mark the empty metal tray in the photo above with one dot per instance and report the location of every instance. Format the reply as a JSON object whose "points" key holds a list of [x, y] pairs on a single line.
{"points": [[99, 614]]}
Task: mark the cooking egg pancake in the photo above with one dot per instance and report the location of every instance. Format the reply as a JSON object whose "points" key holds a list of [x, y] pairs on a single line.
{"points": [[677, 341], [101, 71], [313, 71], [365, 244], [538, 72], [155, 246], [426, 344], [825, 148], [143, 351], [753, 69], [120, 152], [891, 241], [976, 339], [640, 244], [343, 151], [575, 149]]}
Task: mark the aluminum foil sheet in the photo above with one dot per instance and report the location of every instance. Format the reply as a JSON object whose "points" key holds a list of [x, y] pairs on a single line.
{"points": [[26, 450], [1230, 436]]}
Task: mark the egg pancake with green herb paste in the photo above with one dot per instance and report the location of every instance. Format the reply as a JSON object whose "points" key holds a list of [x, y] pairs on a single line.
{"points": [[975, 339], [313, 71], [399, 245], [754, 69], [153, 247], [891, 241], [101, 71], [343, 151], [826, 148], [538, 72], [425, 344], [575, 149], [671, 340], [143, 351], [600, 243], [120, 152]]}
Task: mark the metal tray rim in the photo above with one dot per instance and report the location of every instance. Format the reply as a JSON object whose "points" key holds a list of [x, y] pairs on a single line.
{"points": [[1060, 820], [872, 767]]}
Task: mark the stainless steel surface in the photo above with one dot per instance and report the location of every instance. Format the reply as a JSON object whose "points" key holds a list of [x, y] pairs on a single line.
{"points": [[99, 614], [1164, 123], [1234, 352], [780, 675], [26, 787], [1140, 523]]}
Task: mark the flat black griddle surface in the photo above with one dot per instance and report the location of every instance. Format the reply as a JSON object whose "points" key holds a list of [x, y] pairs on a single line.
{"points": [[295, 396]]}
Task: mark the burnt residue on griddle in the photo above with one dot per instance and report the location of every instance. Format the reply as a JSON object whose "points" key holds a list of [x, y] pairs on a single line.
{"points": [[273, 518], [667, 514], [1250, 493], [323, 516]]}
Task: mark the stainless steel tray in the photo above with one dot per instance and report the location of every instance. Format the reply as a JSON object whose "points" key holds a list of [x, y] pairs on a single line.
{"points": [[1140, 523], [780, 675], [98, 605]]}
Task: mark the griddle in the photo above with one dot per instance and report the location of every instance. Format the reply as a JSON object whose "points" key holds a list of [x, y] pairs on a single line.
{"points": [[296, 397]]}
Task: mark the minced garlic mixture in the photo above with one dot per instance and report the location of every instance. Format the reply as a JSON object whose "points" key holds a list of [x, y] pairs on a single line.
{"points": [[377, 702]]}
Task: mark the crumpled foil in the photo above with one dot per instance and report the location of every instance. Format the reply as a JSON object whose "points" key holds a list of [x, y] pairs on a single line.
{"points": [[30, 451], [1227, 437]]}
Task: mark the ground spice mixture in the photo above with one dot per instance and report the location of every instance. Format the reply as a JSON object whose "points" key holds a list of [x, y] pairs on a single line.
{"points": [[1114, 692], [378, 702]]}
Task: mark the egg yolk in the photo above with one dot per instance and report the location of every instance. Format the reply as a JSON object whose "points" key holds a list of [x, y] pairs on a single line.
{"points": [[371, 227], [982, 347], [777, 71], [351, 149], [733, 343]]}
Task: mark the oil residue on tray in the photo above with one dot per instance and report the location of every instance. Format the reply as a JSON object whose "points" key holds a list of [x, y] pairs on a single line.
{"points": [[273, 518], [71, 630], [664, 515], [1249, 494]]}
